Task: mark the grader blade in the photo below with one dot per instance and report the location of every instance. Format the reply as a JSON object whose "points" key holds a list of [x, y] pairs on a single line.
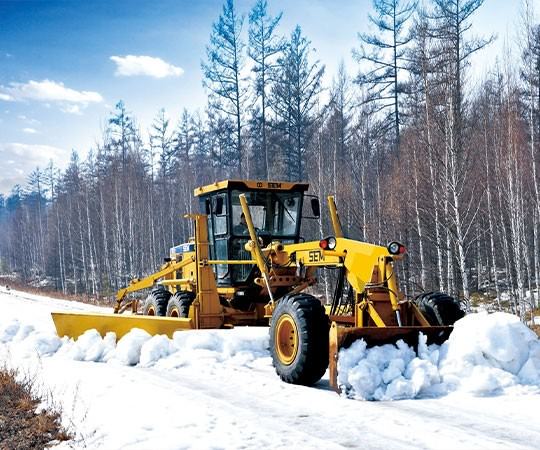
{"points": [[343, 337], [75, 324]]}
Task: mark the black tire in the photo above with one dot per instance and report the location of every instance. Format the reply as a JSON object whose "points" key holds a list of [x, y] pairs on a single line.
{"points": [[179, 304], [439, 308], [299, 339], [156, 303]]}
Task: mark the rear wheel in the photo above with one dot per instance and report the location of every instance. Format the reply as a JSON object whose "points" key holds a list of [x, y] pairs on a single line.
{"points": [[156, 303], [439, 308], [180, 303], [299, 339]]}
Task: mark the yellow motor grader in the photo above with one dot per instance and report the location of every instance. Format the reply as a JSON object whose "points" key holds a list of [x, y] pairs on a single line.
{"points": [[249, 265]]}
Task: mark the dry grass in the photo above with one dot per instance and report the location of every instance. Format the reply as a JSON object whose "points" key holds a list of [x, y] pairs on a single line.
{"points": [[22, 426]]}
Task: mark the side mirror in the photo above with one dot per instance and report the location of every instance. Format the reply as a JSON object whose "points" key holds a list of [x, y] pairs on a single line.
{"points": [[218, 208], [207, 206], [316, 207]]}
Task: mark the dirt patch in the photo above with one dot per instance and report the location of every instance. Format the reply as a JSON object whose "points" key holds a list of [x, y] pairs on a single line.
{"points": [[21, 427]]}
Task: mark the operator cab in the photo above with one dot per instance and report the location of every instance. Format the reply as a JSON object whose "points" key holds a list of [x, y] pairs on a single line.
{"points": [[276, 211]]}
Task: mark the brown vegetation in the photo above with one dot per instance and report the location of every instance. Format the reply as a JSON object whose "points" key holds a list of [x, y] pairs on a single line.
{"points": [[21, 426]]}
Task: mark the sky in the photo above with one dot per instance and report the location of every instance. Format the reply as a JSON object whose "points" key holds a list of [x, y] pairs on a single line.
{"points": [[64, 64]]}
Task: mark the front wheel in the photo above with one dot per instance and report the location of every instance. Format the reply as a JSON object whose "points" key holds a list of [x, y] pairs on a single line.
{"points": [[299, 339]]}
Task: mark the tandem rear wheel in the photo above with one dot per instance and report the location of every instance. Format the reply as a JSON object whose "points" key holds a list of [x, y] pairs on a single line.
{"points": [[156, 303], [439, 308]]}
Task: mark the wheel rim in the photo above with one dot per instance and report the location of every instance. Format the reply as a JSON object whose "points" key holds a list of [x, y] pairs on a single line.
{"points": [[174, 312], [151, 311], [286, 339]]}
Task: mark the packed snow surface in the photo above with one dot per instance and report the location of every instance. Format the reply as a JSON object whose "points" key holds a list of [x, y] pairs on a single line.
{"points": [[218, 389]]}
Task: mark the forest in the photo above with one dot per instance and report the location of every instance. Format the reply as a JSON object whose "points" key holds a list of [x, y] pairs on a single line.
{"points": [[412, 148]]}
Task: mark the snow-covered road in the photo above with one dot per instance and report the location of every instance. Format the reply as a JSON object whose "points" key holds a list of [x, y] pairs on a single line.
{"points": [[218, 389]]}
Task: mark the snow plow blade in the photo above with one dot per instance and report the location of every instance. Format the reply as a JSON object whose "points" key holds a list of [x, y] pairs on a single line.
{"points": [[74, 325], [343, 337]]}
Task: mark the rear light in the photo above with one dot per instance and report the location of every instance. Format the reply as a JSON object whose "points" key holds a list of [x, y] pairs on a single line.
{"points": [[395, 248], [328, 243]]}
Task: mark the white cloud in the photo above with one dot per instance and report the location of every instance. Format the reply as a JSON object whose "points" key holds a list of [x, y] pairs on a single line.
{"points": [[131, 65], [28, 120], [49, 91], [29, 130], [72, 109], [23, 159]]}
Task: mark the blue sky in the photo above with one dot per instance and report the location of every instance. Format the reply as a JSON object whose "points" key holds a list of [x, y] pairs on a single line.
{"points": [[64, 64]]}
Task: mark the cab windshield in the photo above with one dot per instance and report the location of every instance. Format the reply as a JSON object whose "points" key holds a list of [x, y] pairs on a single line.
{"points": [[273, 213]]}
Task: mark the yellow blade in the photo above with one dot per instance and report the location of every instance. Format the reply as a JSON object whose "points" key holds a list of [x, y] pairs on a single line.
{"points": [[343, 337], [75, 324]]}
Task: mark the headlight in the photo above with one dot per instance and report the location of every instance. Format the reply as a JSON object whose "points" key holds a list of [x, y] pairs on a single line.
{"points": [[328, 243], [395, 248]]}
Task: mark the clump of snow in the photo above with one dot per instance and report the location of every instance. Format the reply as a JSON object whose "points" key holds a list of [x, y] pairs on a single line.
{"points": [[154, 349], [485, 354], [9, 330], [89, 347], [39, 343], [128, 349]]}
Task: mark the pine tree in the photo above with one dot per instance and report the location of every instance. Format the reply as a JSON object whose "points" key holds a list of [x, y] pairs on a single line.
{"points": [[294, 98], [264, 46], [222, 73], [385, 56]]}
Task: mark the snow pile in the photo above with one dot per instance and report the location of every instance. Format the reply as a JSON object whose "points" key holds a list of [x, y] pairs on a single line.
{"points": [[485, 354], [138, 347]]}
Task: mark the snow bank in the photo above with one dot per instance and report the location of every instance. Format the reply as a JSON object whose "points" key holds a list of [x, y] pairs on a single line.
{"points": [[137, 347], [485, 354]]}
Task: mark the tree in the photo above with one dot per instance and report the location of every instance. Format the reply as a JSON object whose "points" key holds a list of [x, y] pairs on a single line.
{"points": [[385, 56], [264, 46], [122, 131], [451, 23], [222, 72], [530, 74], [294, 97]]}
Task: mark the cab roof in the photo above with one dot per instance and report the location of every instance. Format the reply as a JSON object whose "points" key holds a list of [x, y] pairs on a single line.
{"points": [[251, 185]]}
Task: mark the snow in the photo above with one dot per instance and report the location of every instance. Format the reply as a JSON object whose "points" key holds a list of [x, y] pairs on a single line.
{"points": [[486, 354], [218, 389]]}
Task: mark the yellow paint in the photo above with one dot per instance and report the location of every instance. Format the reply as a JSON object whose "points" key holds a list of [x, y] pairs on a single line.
{"points": [[336, 224], [75, 324], [286, 339]]}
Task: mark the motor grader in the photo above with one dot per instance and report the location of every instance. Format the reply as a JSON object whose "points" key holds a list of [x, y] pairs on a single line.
{"points": [[248, 264]]}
